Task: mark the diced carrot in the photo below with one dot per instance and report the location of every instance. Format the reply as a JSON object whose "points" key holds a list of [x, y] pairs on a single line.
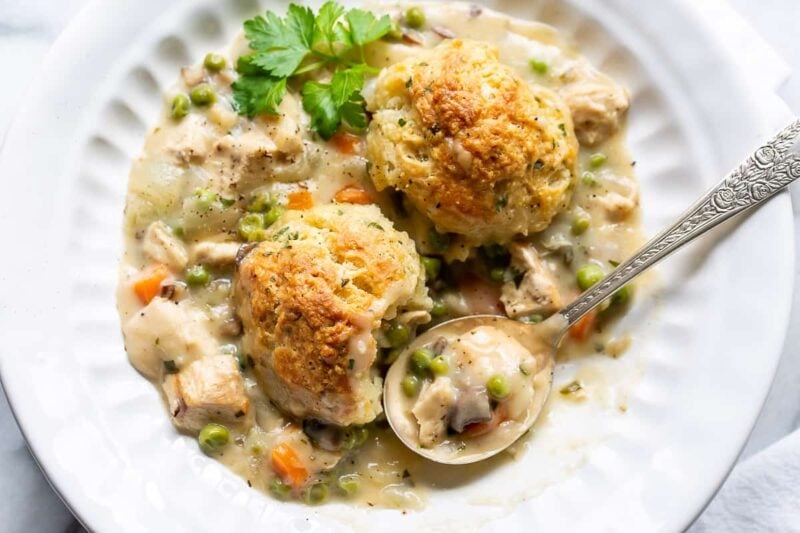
{"points": [[300, 200], [288, 465], [346, 143], [584, 327], [148, 284], [353, 195]]}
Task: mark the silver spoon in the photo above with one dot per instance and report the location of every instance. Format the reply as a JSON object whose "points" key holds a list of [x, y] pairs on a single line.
{"points": [[762, 175]]}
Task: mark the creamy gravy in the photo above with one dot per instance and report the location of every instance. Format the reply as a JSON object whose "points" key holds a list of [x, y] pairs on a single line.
{"points": [[182, 180]]}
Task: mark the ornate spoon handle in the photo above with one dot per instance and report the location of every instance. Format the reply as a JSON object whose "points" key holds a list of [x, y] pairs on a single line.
{"points": [[762, 175]]}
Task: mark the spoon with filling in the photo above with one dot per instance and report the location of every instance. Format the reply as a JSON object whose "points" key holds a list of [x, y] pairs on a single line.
{"points": [[468, 388]]}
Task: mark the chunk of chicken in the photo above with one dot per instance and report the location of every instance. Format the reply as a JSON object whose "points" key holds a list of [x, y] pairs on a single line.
{"points": [[432, 410], [162, 246], [215, 253], [167, 331], [537, 293], [249, 157], [190, 141], [192, 76], [207, 390], [596, 102], [619, 206], [270, 149]]}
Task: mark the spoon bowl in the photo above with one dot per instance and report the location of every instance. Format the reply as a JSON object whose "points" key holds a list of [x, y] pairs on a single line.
{"points": [[539, 339]]}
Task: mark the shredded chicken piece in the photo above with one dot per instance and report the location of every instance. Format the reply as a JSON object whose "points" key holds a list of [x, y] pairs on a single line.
{"points": [[190, 141], [166, 330], [208, 390], [432, 410], [537, 292], [162, 246], [619, 206], [413, 317], [215, 253], [596, 102], [192, 75]]}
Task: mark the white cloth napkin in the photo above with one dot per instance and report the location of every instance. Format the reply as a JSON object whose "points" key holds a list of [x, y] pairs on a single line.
{"points": [[762, 494]]}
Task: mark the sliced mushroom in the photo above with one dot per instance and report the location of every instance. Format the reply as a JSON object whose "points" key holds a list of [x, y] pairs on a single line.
{"points": [[472, 406]]}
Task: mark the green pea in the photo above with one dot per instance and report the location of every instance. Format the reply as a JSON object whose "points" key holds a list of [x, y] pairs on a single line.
{"points": [[395, 32], [439, 241], [580, 224], [397, 335], [622, 296], [497, 274], [415, 17], [204, 199], [439, 366], [348, 484], [432, 266], [203, 95], [420, 361], [597, 160], [197, 275], [587, 178], [361, 435], [498, 387], [316, 493], [354, 437], [272, 215], [214, 62], [260, 203], [532, 319], [588, 275], [180, 106], [538, 66], [410, 385], [251, 227], [391, 355], [213, 438], [439, 309], [279, 489], [495, 252]]}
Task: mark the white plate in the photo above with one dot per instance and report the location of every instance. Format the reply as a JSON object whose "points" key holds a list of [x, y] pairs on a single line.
{"points": [[706, 350]]}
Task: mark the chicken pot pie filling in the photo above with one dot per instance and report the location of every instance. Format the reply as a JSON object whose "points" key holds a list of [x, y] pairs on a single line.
{"points": [[337, 182]]}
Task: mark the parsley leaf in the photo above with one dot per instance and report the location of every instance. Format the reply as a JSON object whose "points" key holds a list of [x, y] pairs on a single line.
{"points": [[318, 102], [281, 45], [365, 28], [256, 92], [254, 95], [300, 43], [328, 29], [280, 63], [353, 112], [344, 83]]}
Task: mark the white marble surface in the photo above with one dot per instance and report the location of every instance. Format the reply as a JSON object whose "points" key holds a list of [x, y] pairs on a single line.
{"points": [[29, 27]]}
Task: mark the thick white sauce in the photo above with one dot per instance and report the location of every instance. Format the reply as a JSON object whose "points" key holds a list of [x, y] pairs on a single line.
{"points": [[198, 152]]}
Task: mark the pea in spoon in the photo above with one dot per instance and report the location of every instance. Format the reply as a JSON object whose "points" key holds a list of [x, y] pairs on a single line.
{"points": [[762, 175]]}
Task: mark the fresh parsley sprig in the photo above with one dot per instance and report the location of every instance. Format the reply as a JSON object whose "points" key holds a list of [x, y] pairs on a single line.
{"points": [[300, 43]]}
